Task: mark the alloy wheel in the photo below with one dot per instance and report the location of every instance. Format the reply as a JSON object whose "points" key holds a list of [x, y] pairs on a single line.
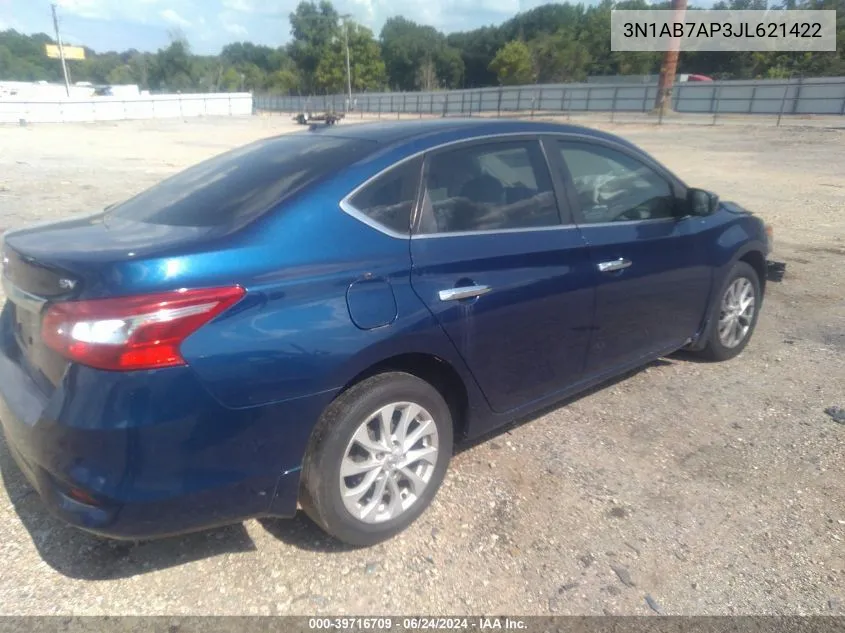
{"points": [[737, 312], [389, 462]]}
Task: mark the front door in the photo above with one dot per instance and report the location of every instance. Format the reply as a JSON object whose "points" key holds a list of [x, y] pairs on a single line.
{"points": [[508, 279], [652, 281]]}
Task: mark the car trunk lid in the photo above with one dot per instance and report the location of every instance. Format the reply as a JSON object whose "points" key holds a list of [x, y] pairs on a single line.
{"points": [[68, 260]]}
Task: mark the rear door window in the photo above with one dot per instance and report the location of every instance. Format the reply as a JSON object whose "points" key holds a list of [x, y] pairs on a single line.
{"points": [[488, 187], [238, 186]]}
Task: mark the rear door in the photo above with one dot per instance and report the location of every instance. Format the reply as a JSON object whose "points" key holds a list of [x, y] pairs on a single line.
{"points": [[652, 281], [503, 269]]}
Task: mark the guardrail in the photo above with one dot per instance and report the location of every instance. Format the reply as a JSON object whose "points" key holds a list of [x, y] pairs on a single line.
{"points": [[773, 97], [14, 110]]}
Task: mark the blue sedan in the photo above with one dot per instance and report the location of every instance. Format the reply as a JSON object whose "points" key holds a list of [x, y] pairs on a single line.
{"points": [[313, 319]]}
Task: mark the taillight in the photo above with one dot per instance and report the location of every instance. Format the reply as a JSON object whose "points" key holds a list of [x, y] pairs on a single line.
{"points": [[129, 333]]}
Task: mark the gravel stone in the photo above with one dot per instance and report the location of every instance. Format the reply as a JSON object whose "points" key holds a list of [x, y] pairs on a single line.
{"points": [[623, 574]]}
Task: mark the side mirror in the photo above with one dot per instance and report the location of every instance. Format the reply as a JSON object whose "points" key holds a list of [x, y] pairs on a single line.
{"points": [[701, 202]]}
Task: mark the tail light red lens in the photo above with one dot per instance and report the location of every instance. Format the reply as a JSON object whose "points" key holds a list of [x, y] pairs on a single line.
{"points": [[131, 333]]}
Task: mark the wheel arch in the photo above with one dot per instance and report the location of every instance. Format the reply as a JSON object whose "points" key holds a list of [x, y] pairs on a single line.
{"points": [[753, 254], [757, 260], [436, 371]]}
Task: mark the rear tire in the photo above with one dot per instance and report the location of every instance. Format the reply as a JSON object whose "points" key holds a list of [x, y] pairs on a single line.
{"points": [[363, 483], [733, 315]]}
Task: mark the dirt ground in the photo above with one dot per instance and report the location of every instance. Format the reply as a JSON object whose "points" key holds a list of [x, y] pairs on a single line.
{"points": [[706, 488]]}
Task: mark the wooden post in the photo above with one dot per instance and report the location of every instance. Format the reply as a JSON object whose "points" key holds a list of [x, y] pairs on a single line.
{"points": [[669, 69]]}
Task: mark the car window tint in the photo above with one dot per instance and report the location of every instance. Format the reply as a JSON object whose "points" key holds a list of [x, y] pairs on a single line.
{"points": [[389, 199], [238, 186], [489, 187], [613, 187]]}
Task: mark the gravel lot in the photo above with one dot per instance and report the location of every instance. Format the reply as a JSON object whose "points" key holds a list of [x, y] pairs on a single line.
{"points": [[709, 489]]}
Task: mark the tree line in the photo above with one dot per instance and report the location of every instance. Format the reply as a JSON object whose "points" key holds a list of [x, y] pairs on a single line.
{"points": [[558, 42]]}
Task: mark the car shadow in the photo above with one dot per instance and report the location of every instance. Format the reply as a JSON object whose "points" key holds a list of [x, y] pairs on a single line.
{"points": [[77, 554], [686, 356], [302, 533], [468, 444]]}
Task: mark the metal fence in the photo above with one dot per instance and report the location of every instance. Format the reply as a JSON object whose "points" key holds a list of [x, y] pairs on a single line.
{"points": [[772, 97]]}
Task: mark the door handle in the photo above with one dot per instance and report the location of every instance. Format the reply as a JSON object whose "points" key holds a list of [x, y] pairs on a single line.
{"points": [[614, 265], [463, 292]]}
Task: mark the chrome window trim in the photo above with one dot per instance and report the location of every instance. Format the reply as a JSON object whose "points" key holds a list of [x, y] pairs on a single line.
{"points": [[524, 229], [628, 222], [347, 207]]}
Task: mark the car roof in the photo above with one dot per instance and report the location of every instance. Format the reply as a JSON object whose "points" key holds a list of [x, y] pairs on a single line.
{"points": [[444, 130]]}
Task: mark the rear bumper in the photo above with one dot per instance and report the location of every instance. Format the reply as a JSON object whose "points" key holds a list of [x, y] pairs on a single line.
{"points": [[148, 454]]}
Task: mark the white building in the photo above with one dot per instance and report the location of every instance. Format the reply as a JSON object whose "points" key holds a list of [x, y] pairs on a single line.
{"points": [[44, 91]]}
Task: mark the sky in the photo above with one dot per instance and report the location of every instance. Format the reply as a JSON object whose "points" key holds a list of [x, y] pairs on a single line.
{"points": [[211, 24]]}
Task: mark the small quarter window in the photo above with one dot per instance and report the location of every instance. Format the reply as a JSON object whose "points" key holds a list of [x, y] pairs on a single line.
{"points": [[389, 199]]}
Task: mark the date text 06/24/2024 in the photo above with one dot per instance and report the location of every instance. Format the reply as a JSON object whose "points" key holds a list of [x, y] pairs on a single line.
{"points": [[417, 623]]}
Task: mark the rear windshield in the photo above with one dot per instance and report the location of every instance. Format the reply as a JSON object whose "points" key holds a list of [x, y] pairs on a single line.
{"points": [[240, 185]]}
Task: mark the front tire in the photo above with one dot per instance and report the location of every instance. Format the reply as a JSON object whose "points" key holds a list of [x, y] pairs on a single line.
{"points": [[377, 458], [734, 314]]}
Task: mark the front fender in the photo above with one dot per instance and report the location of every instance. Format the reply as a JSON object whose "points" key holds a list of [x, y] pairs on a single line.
{"points": [[751, 249]]}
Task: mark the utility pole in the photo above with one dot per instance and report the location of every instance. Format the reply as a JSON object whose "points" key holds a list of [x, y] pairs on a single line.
{"points": [[61, 49], [663, 100], [348, 67]]}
